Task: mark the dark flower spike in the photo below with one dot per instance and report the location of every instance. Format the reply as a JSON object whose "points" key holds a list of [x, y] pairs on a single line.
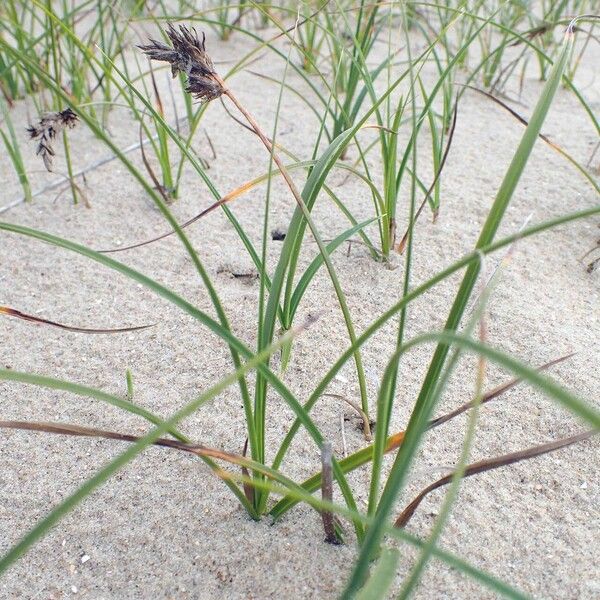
{"points": [[188, 55], [47, 129]]}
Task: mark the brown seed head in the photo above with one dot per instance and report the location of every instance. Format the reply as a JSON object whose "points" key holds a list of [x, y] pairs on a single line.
{"points": [[49, 126], [188, 55]]}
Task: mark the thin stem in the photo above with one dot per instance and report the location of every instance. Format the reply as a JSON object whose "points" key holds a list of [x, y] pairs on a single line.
{"points": [[297, 196], [331, 536], [69, 167]]}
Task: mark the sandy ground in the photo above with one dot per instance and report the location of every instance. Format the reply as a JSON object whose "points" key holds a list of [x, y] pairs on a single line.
{"points": [[165, 527]]}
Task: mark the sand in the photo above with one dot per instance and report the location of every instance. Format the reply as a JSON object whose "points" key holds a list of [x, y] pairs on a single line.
{"points": [[164, 527]]}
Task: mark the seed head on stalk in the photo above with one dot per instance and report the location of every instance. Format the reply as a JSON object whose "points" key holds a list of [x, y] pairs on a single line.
{"points": [[49, 126], [188, 55]]}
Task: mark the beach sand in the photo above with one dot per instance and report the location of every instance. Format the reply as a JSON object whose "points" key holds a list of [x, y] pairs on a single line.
{"points": [[165, 527]]}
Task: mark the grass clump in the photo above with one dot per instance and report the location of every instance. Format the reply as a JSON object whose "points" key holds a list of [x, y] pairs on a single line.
{"points": [[355, 100]]}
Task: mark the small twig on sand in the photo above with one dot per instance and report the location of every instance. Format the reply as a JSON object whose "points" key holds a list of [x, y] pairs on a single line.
{"points": [[331, 536]]}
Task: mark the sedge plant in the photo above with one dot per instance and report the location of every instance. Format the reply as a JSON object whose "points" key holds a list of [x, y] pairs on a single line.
{"points": [[187, 55]]}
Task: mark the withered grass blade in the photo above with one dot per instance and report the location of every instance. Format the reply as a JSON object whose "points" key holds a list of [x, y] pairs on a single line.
{"points": [[13, 312], [365, 455], [236, 193], [395, 440], [81, 431], [543, 137], [488, 465], [495, 393]]}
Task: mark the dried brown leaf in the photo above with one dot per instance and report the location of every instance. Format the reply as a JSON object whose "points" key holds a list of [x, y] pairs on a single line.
{"points": [[13, 312], [489, 464]]}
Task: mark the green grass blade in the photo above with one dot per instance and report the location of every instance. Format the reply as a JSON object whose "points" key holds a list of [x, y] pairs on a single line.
{"points": [[466, 261], [489, 581], [382, 576], [118, 463], [202, 317], [424, 404], [127, 405], [314, 266], [570, 401]]}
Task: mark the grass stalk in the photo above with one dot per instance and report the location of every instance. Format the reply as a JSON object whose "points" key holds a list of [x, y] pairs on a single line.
{"points": [[426, 401]]}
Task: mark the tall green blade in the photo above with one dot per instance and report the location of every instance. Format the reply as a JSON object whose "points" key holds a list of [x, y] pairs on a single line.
{"points": [[424, 405]]}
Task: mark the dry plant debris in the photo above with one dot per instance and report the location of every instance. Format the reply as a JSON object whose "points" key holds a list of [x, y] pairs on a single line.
{"points": [[13, 312]]}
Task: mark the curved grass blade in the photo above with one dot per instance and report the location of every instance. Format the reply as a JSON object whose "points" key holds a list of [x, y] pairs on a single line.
{"points": [[490, 464], [484, 578], [13, 312], [233, 195], [240, 190], [81, 431], [127, 405], [99, 132], [365, 455], [478, 316], [55, 515], [202, 317], [467, 260], [426, 400], [543, 137]]}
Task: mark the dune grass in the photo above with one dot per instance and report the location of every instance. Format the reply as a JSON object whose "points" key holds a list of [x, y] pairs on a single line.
{"points": [[64, 58]]}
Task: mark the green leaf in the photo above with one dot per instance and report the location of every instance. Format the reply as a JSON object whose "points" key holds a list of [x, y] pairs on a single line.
{"points": [[54, 516], [426, 401], [382, 576]]}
